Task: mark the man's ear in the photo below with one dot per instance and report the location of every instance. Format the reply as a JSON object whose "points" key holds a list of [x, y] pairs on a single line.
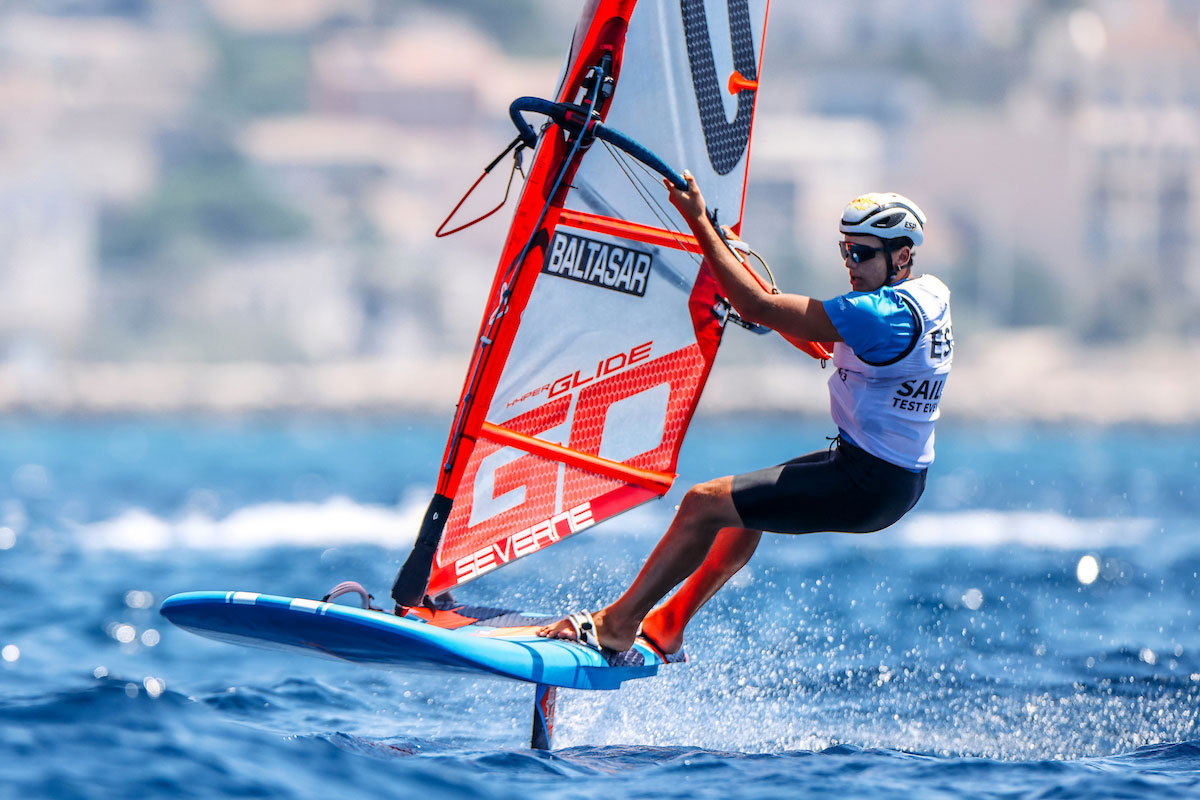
{"points": [[903, 257]]}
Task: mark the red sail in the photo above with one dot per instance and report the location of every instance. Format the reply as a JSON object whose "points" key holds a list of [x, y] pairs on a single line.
{"points": [[602, 322]]}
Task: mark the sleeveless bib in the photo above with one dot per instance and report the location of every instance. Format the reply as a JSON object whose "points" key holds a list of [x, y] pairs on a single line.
{"points": [[889, 409]]}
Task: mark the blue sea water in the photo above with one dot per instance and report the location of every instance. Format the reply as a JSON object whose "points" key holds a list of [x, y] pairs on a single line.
{"points": [[1031, 630]]}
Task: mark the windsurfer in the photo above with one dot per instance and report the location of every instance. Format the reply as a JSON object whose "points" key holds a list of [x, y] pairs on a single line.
{"points": [[892, 341]]}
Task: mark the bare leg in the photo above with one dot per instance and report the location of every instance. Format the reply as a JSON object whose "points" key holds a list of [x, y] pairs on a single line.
{"points": [[729, 553], [705, 510]]}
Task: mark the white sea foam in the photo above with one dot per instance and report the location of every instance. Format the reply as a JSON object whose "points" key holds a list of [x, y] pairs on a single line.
{"points": [[338, 520], [341, 521], [1037, 529]]}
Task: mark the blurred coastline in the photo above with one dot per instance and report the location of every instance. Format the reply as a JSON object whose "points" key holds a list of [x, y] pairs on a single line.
{"points": [[1017, 376], [229, 205]]}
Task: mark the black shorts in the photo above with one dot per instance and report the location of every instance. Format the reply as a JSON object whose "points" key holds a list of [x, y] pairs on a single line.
{"points": [[843, 489]]}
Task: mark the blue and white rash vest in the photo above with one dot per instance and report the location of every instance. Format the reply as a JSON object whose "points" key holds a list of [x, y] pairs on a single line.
{"points": [[886, 401]]}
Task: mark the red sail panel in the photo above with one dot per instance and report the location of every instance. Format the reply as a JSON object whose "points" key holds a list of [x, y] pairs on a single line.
{"points": [[593, 442]]}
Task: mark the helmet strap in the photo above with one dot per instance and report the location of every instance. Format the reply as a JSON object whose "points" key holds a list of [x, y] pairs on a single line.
{"points": [[892, 271]]}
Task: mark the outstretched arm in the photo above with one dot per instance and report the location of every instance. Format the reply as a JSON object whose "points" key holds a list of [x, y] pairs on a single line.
{"points": [[794, 316]]}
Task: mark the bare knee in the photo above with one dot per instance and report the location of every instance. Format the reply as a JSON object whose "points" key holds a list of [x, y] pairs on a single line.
{"points": [[709, 504]]}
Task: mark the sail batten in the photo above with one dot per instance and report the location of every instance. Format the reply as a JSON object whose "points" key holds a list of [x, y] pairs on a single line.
{"points": [[660, 237], [649, 479]]}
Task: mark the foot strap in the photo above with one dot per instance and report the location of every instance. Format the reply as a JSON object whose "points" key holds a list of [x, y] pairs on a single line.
{"points": [[585, 629], [668, 658], [351, 587]]}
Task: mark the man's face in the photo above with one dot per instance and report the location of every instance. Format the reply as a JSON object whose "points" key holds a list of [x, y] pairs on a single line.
{"points": [[870, 272]]}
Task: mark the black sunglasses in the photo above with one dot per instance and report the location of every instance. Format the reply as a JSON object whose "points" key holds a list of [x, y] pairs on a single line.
{"points": [[858, 253]]}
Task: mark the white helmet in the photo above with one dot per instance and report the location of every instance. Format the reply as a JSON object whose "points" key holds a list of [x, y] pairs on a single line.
{"points": [[885, 214]]}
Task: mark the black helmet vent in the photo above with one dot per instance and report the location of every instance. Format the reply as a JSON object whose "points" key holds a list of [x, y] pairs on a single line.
{"points": [[889, 221]]}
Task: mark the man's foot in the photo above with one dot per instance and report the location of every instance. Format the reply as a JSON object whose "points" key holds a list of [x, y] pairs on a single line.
{"points": [[598, 632], [659, 635]]}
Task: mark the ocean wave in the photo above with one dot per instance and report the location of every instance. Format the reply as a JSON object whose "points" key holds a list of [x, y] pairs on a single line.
{"points": [[1035, 529], [338, 520], [343, 521]]}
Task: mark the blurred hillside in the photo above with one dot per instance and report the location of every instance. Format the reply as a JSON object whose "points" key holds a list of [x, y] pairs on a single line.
{"points": [[231, 203]]}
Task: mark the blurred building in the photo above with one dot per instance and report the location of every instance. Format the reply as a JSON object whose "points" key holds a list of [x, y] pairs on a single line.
{"points": [[1054, 147], [287, 16], [395, 134], [1137, 119], [1088, 176], [80, 103], [1063, 191]]}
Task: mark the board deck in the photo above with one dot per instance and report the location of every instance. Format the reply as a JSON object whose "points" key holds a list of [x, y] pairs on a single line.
{"points": [[380, 639]]}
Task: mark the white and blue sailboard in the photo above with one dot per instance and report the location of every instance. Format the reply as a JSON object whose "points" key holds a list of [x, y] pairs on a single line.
{"points": [[497, 645], [600, 329]]}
